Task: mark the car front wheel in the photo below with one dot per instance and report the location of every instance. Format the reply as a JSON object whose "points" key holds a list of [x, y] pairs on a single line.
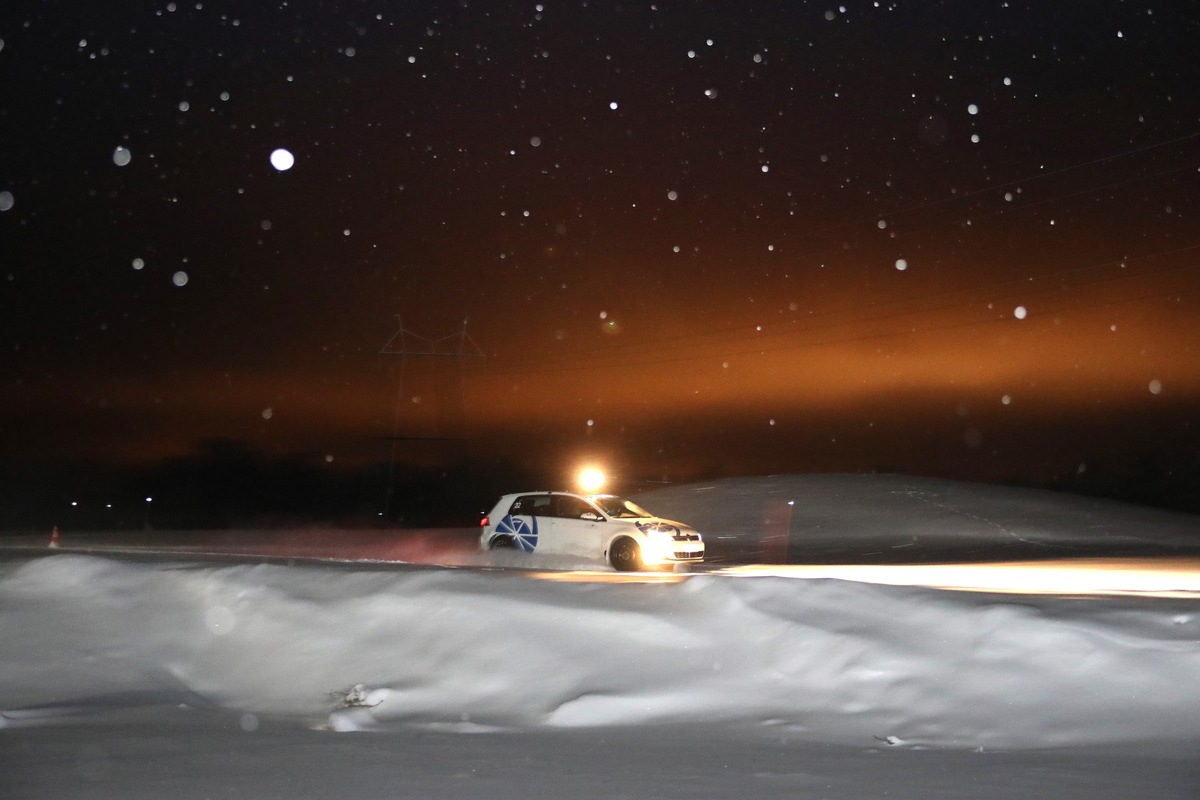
{"points": [[625, 555]]}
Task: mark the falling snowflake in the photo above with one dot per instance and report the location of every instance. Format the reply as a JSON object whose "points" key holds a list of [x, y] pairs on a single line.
{"points": [[282, 159]]}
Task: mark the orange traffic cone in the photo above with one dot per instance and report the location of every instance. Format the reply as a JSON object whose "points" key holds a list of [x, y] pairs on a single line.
{"points": [[55, 539]]}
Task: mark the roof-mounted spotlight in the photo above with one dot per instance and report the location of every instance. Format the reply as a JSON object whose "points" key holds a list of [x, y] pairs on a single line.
{"points": [[590, 480]]}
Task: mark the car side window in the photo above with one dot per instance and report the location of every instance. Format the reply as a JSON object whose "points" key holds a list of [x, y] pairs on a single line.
{"points": [[574, 508], [532, 505]]}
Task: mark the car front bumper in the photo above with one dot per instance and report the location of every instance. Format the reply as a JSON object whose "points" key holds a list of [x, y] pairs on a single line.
{"points": [[684, 552]]}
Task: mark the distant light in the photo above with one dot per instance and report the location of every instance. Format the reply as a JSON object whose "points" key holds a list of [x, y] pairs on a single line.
{"points": [[180, 278], [1020, 312], [121, 156], [1156, 387], [282, 160], [972, 109], [613, 105], [901, 264], [149, 499], [590, 480]]}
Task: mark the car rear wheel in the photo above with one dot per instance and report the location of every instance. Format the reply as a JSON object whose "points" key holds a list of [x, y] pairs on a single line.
{"points": [[503, 543], [625, 555]]}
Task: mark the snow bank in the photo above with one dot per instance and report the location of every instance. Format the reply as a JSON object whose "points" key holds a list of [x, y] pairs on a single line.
{"points": [[351, 648]]}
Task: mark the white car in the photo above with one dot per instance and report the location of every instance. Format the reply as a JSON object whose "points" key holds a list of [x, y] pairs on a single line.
{"points": [[597, 526]]}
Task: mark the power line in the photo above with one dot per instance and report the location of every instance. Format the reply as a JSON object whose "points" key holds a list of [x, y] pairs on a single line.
{"points": [[1042, 175], [995, 318], [612, 355]]}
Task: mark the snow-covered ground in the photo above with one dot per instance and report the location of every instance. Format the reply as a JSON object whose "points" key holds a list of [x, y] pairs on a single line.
{"points": [[123, 678]]}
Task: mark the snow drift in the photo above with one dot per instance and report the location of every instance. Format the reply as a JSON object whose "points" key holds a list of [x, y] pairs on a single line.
{"points": [[352, 648]]}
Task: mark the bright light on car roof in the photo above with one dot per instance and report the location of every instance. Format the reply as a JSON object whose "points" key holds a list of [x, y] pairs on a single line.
{"points": [[590, 480]]}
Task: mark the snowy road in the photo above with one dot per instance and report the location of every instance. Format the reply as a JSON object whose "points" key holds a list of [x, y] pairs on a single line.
{"points": [[1137, 576]]}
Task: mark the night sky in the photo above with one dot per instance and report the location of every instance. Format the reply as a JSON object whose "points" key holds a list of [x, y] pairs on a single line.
{"points": [[686, 239]]}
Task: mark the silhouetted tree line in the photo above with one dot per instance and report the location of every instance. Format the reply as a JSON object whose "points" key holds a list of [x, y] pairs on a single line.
{"points": [[227, 484]]}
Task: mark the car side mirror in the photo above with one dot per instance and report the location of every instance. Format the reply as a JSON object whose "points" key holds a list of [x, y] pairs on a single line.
{"points": [[591, 516]]}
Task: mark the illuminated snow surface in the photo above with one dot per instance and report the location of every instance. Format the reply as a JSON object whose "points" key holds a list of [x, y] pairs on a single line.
{"points": [[188, 678]]}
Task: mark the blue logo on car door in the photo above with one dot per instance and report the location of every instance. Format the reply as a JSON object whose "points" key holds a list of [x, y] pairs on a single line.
{"points": [[522, 532]]}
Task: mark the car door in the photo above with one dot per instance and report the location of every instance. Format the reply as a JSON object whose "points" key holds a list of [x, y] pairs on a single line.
{"points": [[578, 527]]}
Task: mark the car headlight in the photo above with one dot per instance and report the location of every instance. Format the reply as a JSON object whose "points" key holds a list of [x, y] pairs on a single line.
{"points": [[659, 547]]}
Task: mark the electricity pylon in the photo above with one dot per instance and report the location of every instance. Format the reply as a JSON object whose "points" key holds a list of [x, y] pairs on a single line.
{"points": [[405, 344]]}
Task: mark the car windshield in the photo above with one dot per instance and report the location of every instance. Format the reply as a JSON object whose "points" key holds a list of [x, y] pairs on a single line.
{"points": [[620, 507]]}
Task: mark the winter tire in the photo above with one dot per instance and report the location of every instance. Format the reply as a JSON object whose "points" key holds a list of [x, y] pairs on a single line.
{"points": [[625, 555]]}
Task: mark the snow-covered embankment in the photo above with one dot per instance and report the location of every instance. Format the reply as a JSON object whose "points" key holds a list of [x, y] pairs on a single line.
{"points": [[826, 659]]}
